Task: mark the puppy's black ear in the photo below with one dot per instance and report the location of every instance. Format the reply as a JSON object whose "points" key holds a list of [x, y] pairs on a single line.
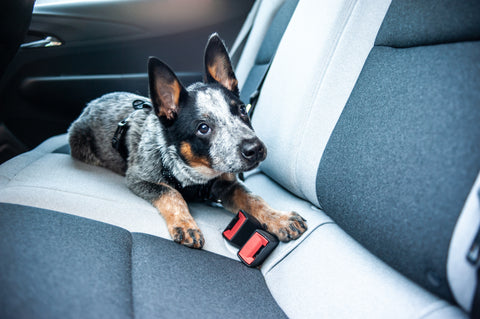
{"points": [[166, 90], [218, 67]]}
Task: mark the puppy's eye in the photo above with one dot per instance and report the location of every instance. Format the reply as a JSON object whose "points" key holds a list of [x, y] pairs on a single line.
{"points": [[243, 110], [203, 129]]}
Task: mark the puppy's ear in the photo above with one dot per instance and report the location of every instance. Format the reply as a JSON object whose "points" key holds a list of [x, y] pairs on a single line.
{"points": [[218, 67], [166, 90]]}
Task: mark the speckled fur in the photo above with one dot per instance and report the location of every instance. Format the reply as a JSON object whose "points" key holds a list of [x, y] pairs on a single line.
{"points": [[156, 166]]}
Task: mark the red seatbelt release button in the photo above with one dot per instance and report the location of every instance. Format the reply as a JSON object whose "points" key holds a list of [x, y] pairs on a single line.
{"points": [[257, 248], [240, 228]]}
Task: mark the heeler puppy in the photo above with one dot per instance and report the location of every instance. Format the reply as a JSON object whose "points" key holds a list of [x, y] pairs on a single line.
{"points": [[187, 145]]}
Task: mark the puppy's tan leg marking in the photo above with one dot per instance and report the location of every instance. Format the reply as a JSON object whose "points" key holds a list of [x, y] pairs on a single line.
{"points": [[285, 225], [181, 225]]}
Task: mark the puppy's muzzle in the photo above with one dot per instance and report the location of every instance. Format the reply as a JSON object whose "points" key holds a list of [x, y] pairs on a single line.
{"points": [[253, 151]]}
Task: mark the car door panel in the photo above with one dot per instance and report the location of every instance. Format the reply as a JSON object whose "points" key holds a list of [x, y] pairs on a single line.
{"points": [[100, 47]]}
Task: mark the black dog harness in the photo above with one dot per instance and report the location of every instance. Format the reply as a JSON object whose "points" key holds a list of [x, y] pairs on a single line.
{"points": [[118, 140]]}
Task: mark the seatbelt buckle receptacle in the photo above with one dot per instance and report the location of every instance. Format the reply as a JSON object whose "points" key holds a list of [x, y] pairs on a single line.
{"points": [[257, 248], [241, 228], [255, 243]]}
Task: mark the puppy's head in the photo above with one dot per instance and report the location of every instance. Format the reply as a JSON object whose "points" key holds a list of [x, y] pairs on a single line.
{"points": [[206, 122]]}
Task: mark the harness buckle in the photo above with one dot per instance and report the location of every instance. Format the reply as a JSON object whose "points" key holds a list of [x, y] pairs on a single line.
{"points": [[140, 104], [121, 128], [119, 136]]}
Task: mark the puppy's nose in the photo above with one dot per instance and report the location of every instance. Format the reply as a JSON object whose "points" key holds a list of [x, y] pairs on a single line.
{"points": [[253, 150]]}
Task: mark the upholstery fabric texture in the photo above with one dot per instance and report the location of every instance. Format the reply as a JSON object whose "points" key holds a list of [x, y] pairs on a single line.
{"points": [[425, 22], [56, 265], [404, 156], [268, 48]]}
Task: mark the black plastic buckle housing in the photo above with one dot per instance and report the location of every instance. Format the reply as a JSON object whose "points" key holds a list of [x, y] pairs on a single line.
{"points": [[240, 228], [121, 128], [256, 244], [140, 104], [257, 248]]}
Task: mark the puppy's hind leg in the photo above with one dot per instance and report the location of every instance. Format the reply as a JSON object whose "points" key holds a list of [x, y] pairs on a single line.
{"points": [[82, 143], [169, 202]]}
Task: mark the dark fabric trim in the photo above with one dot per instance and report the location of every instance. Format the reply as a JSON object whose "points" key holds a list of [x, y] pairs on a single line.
{"points": [[55, 265], [404, 155], [411, 23], [178, 282]]}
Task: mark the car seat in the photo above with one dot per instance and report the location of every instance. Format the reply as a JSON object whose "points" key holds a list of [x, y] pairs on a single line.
{"points": [[370, 114]]}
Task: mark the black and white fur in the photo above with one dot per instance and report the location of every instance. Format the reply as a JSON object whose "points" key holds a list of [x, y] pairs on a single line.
{"points": [[188, 146]]}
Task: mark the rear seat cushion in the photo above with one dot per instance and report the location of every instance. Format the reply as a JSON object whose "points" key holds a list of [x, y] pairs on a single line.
{"points": [[301, 274], [332, 276], [176, 282], [55, 265], [48, 178]]}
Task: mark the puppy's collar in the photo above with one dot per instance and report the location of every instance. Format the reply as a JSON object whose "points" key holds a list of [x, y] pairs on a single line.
{"points": [[118, 140]]}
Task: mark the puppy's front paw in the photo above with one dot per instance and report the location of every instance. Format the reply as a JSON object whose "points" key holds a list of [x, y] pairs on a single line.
{"points": [[286, 226], [180, 223], [187, 235]]}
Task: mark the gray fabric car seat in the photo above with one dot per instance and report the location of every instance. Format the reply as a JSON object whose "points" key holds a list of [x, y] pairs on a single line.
{"points": [[351, 124], [405, 152], [395, 162], [56, 265]]}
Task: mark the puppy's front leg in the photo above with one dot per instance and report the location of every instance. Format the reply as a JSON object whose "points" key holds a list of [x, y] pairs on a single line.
{"points": [[234, 196], [169, 202]]}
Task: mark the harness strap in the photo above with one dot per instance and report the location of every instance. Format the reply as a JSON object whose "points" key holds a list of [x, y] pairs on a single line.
{"points": [[118, 140]]}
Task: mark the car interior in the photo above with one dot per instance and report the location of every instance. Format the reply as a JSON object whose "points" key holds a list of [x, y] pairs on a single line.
{"points": [[370, 112]]}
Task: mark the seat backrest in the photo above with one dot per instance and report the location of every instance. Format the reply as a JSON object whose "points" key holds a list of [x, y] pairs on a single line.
{"points": [[379, 124], [315, 68], [405, 152], [267, 49], [261, 23]]}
